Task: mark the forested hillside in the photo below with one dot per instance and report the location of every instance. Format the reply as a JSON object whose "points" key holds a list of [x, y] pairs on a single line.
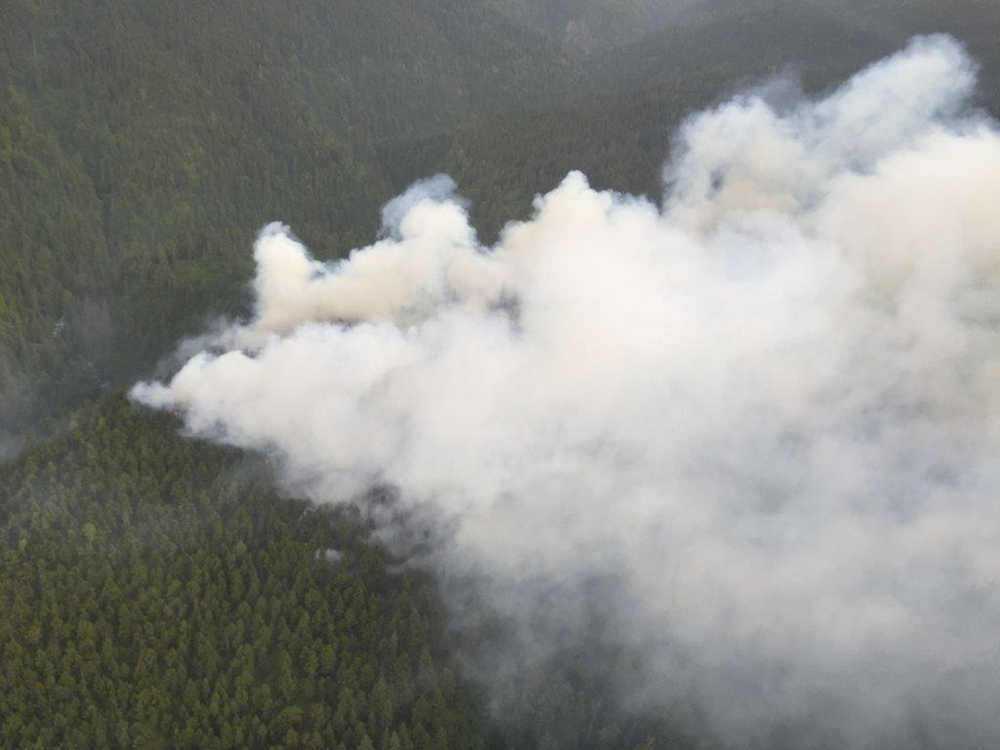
{"points": [[158, 592], [144, 144], [727, 46]]}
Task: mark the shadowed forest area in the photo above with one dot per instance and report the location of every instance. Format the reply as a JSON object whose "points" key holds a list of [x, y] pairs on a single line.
{"points": [[159, 592]]}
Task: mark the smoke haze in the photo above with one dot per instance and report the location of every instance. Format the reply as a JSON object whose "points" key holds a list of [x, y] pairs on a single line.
{"points": [[765, 411]]}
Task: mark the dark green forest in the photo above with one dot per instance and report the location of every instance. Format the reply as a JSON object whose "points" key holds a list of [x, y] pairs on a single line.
{"points": [[159, 592]]}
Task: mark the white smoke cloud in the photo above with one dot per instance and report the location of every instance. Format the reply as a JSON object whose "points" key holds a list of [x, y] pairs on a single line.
{"points": [[770, 410]]}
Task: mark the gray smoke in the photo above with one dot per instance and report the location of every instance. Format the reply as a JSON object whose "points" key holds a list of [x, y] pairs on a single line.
{"points": [[768, 412]]}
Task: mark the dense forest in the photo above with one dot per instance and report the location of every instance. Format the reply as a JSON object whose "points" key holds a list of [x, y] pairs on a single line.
{"points": [[158, 592]]}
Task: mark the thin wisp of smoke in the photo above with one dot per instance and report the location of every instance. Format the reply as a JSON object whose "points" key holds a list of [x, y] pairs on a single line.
{"points": [[769, 410]]}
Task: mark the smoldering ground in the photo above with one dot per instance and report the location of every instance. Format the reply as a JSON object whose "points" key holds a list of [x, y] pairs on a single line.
{"points": [[763, 416]]}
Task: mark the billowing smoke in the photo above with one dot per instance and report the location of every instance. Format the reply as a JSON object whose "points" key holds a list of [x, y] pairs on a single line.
{"points": [[764, 418]]}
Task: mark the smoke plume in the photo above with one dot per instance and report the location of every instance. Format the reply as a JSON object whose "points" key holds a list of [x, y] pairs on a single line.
{"points": [[763, 417]]}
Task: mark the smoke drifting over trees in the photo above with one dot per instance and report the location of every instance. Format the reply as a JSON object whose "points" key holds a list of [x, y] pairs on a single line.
{"points": [[767, 410]]}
